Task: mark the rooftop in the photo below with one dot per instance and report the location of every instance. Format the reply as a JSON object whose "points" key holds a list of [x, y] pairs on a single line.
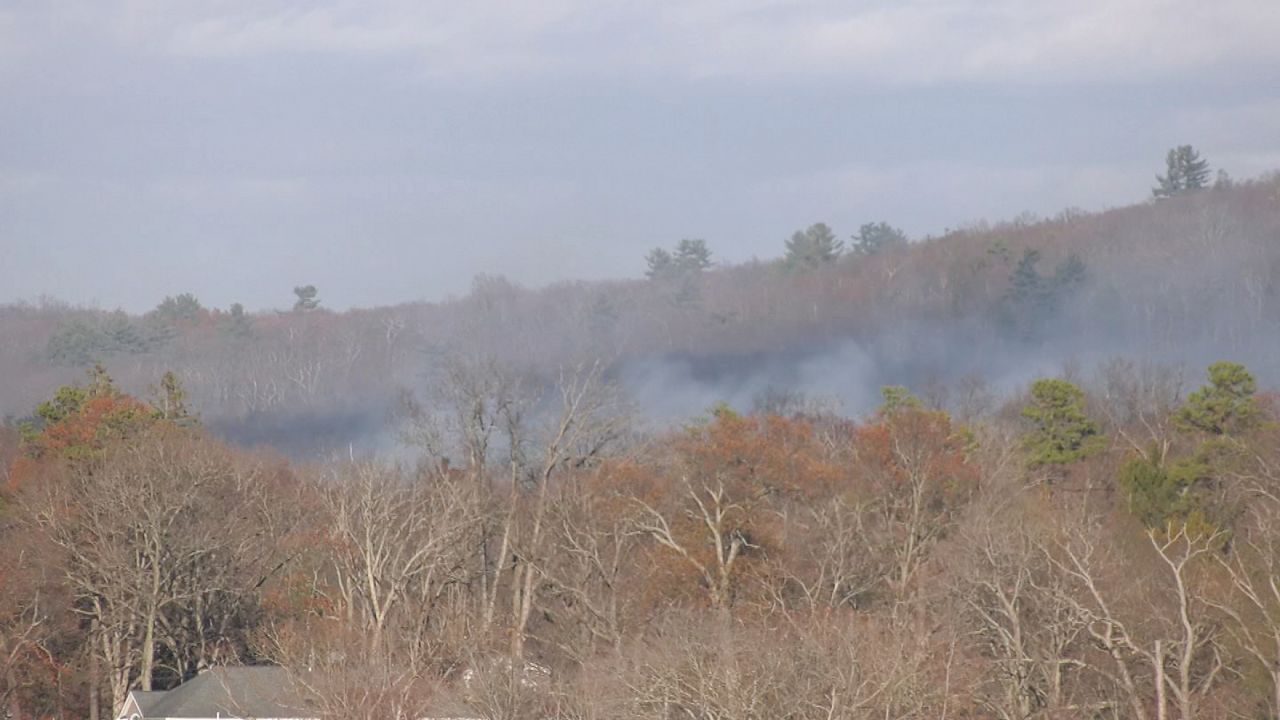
{"points": [[241, 692]]}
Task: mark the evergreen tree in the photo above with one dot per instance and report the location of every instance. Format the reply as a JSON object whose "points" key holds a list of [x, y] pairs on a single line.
{"points": [[680, 270], [68, 400], [1028, 302], [874, 237], [1156, 495], [177, 309], [692, 255], [812, 248], [236, 323], [1025, 284], [77, 343], [1183, 493], [170, 400], [1061, 431], [1034, 299], [1185, 171], [1069, 275], [689, 258], [82, 342], [895, 398], [660, 264], [1224, 406], [307, 300]]}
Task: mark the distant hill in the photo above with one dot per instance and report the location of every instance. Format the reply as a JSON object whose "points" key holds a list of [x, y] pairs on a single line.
{"points": [[1181, 280]]}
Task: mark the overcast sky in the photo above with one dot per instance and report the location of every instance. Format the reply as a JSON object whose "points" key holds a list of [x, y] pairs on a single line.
{"points": [[389, 151]]}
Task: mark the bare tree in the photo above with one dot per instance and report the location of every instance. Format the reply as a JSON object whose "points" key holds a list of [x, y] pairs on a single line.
{"points": [[721, 522], [825, 562], [1158, 627], [1251, 602], [22, 635], [1036, 638], [917, 463], [589, 417], [1139, 400], [592, 562], [802, 670], [156, 575], [393, 540]]}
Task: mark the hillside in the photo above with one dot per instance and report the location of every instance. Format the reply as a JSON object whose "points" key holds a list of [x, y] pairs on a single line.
{"points": [[1182, 280], [1044, 525]]}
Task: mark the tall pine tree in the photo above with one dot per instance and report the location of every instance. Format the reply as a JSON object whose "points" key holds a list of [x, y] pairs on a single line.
{"points": [[1185, 171], [812, 248]]}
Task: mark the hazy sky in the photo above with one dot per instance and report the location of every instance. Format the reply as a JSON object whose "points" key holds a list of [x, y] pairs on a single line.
{"points": [[389, 151]]}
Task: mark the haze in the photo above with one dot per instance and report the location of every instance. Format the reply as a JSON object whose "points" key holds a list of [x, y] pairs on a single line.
{"points": [[390, 152]]}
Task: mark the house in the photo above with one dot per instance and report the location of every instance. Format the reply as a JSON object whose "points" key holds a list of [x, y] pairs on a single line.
{"points": [[243, 693], [248, 692]]}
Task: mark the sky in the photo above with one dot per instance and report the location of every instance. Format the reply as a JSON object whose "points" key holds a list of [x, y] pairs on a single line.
{"points": [[390, 151]]}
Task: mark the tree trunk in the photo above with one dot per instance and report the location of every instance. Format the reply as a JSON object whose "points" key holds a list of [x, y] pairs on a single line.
{"points": [[504, 549], [1161, 705], [95, 675], [148, 652], [1275, 693], [149, 631], [15, 707]]}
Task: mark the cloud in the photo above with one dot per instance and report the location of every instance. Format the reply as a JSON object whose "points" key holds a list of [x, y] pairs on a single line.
{"points": [[548, 139], [994, 40], [905, 42]]}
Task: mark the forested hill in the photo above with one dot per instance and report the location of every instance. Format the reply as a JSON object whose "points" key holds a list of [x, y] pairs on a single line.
{"points": [[1186, 279]]}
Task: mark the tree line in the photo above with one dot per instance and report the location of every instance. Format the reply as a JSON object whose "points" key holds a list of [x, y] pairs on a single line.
{"points": [[1102, 546], [1184, 279]]}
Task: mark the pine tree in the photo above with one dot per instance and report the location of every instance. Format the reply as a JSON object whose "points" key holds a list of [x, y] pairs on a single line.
{"points": [[1195, 170], [692, 255], [1026, 284], [1185, 171], [306, 298], [680, 270], [1061, 432], [1224, 406], [660, 264], [1069, 274], [236, 323], [177, 309], [689, 258], [874, 237], [812, 248], [170, 400], [1033, 299]]}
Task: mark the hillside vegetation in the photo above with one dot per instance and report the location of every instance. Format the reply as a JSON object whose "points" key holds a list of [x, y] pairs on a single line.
{"points": [[1186, 279], [1044, 513]]}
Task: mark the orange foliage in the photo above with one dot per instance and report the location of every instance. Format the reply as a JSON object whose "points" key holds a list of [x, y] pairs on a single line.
{"points": [[913, 444], [732, 475], [99, 420], [81, 434], [770, 453]]}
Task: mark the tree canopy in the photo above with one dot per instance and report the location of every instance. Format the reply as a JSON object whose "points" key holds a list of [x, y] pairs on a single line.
{"points": [[1061, 431], [689, 258], [306, 298], [1185, 171], [874, 237], [812, 247], [1225, 405]]}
